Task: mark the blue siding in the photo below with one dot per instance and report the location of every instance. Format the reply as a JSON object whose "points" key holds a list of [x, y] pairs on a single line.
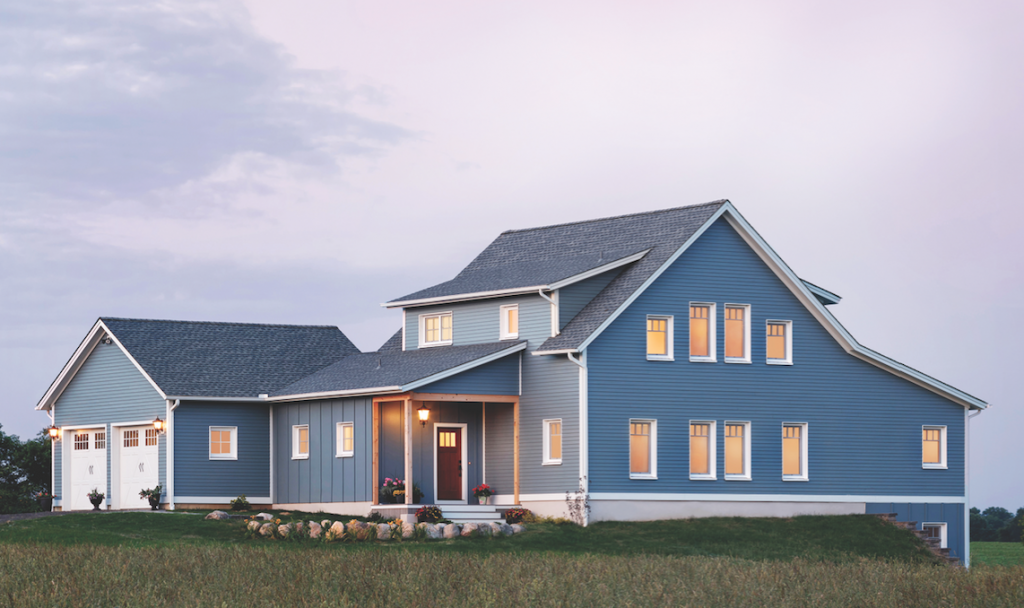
{"points": [[323, 477], [950, 513], [108, 388], [196, 475], [864, 423], [572, 299], [499, 377]]}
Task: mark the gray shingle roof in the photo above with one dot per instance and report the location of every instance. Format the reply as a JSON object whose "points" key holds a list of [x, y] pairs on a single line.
{"points": [[228, 359], [393, 343], [391, 368]]}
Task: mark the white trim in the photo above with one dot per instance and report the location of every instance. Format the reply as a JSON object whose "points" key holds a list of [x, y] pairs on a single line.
{"points": [[942, 464], [440, 329], [133, 423], [546, 442], [355, 392], [563, 351], [256, 500], [712, 473], [83, 427], [339, 440], [764, 497], [821, 292], [273, 484], [746, 333], [653, 448], [403, 329], [553, 311], [296, 454], [477, 295], [789, 342], [256, 399], [464, 367], [593, 272], [584, 424], [169, 456], [712, 356], [234, 443], [504, 333], [465, 468], [538, 497], [804, 440], [943, 539], [746, 476], [483, 442], [669, 338]]}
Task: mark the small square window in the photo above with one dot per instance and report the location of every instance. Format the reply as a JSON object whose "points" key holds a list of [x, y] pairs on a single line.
{"points": [[933, 447], [703, 464], [643, 449], [436, 329], [552, 442], [794, 451], [510, 322], [935, 530], [223, 443], [779, 342], [702, 332], [659, 338], [737, 451], [737, 333], [300, 441], [346, 440]]}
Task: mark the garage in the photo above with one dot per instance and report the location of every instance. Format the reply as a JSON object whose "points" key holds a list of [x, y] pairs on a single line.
{"points": [[88, 465], [139, 465]]}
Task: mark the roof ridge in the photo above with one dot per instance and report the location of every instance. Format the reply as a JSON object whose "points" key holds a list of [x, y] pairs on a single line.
{"points": [[720, 201], [238, 323]]}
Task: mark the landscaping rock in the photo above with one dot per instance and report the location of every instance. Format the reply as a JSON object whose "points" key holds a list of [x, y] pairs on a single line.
{"points": [[362, 529], [517, 528], [267, 530], [283, 530], [469, 529], [495, 528], [326, 524], [315, 530], [218, 515], [433, 530], [505, 529], [408, 530], [451, 530], [265, 516], [484, 529], [253, 525], [383, 532], [336, 531]]}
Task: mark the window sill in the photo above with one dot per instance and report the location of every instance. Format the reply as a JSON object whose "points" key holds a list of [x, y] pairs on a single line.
{"points": [[221, 457], [659, 358], [703, 360], [515, 337], [300, 457], [778, 362], [737, 360], [738, 478], [345, 455], [551, 463], [794, 478], [433, 344], [703, 478], [642, 476], [934, 466]]}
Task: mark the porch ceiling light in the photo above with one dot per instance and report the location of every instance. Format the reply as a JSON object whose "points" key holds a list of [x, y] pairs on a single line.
{"points": [[424, 415], [159, 424], [54, 432]]}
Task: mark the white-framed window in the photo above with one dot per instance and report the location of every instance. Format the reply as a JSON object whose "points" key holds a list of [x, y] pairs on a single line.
{"points": [[553, 441], [737, 451], [300, 441], [935, 530], [737, 333], [643, 449], [509, 322], [779, 342], [346, 440], [223, 443], [436, 329], [794, 451], [702, 332], [933, 447], [703, 462], [659, 338]]}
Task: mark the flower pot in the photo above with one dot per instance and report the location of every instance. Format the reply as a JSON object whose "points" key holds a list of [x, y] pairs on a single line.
{"points": [[484, 500], [46, 504], [154, 501], [96, 502]]}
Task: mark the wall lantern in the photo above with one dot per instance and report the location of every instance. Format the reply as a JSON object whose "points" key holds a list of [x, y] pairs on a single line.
{"points": [[54, 432], [159, 425], [424, 415]]}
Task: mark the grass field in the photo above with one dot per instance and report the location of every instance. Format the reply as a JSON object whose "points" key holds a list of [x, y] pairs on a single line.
{"points": [[998, 554], [173, 559]]}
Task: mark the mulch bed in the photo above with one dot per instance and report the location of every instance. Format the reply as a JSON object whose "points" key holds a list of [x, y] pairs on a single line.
{"points": [[4, 518]]}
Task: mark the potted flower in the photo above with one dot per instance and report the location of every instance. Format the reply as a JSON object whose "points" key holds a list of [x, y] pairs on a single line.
{"points": [[393, 491], [96, 498], [45, 500], [428, 515], [483, 493], [153, 496], [516, 515]]}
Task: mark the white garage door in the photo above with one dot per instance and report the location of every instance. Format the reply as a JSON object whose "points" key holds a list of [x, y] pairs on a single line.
{"points": [[138, 470], [88, 466]]}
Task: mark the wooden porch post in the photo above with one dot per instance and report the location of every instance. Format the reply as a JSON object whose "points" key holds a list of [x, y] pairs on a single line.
{"points": [[515, 451], [408, 451], [376, 453]]}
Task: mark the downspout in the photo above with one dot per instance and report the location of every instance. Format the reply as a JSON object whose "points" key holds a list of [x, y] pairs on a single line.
{"points": [[967, 487], [554, 312], [584, 435], [53, 458], [170, 452]]}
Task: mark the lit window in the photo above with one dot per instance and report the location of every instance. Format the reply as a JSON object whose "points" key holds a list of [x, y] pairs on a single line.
{"points": [[659, 338], [937, 531], [737, 451], [100, 439], [346, 439], [81, 441], [552, 442], [131, 438], [643, 449], [702, 332], [779, 342], [223, 444], [737, 333], [702, 450], [436, 329], [933, 447], [794, 452], [300, 441], [151, 437], [510, 322]]}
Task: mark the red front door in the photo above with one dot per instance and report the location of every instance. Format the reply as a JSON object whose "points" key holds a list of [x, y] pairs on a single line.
{"points": [[449, 463]]}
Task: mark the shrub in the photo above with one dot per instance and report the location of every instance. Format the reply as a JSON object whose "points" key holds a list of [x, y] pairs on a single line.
{"points": [[238, 504], [517, 515], [429, 515]]}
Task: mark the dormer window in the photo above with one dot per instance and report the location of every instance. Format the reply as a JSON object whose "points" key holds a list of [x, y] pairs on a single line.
{"points": [[436, 329], [510, 322]]}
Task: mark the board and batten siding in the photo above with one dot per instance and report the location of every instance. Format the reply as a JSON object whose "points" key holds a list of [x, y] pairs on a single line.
{"points": [[499, 430], [864, 435], [550, 385], [196, 475], [107, 389], [573, 298], [323, 477]]}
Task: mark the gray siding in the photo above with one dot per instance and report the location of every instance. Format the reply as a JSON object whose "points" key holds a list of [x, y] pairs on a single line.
{"points": [[499, 377], [323, 477], [472, 322], [572, 299], [196, 475], [951, 514], [108, 389]]}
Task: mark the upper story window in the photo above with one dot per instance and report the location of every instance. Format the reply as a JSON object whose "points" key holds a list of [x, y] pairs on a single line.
{"points": [[933, 447], [702, 450], [643, 449], [737, 451], [702, 331], [300, 441], [779, 342], [509, 322], [794, 451], [552, 442], [737, 333], [659, 338], [223, 443], [436, 329]]}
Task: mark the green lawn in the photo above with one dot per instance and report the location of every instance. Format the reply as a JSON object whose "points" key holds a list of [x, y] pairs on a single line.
{"points": [[997, 554]]}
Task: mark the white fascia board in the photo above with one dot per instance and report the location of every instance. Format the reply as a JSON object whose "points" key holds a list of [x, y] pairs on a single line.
{"points": [[564, 351], [78, 358], [380, 390], [821, 292], [593, 272], [464, 367], [229, 399], [774, 497], [479, 295], [258, 500]]}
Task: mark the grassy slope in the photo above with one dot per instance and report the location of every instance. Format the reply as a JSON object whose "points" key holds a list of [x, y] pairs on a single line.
{"points": [[997, 554]]}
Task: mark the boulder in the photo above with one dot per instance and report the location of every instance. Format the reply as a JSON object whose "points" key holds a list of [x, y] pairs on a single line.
{"points": [[433, 530], [315, 529], [362, 530], [451, 530], [495, 528], [408, 530], [283, 530], [267, 530], [218, 515], [505, 529], [383, 532], [336, 531], [325, 524], [517, 528], [265, 516], [469, 529], [253, 524]]}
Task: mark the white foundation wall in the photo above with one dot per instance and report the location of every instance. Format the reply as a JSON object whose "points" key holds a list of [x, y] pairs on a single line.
{"points": [[337, 508], [642, 510]]}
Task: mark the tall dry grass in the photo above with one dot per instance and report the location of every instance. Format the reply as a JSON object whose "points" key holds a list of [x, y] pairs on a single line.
{"points": [[83, 576]]}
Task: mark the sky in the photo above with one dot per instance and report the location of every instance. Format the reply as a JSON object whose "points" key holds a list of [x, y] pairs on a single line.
{"points": [[304, 161]]}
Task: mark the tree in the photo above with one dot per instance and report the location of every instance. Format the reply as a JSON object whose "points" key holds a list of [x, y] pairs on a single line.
{"points": [[24, 470]]}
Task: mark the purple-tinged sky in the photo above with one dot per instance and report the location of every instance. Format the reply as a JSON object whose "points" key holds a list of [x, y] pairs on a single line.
{"points": [[301, 162]]}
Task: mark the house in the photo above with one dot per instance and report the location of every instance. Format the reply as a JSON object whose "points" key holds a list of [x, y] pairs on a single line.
{"points": [[666, 364]]}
